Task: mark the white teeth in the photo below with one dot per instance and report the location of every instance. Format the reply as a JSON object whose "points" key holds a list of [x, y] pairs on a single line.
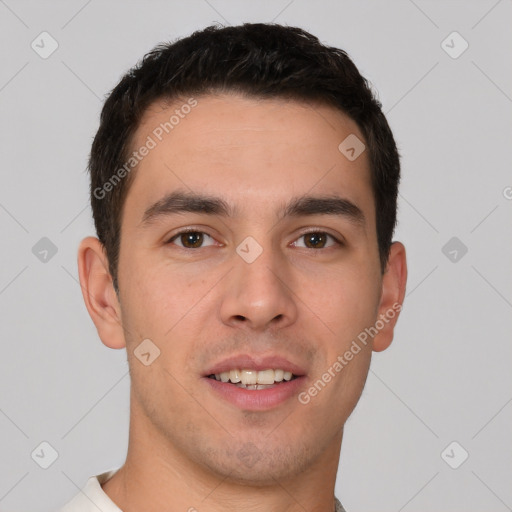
{"points": [[253, 379], [266, 377], [249, 377], [234, 376]]}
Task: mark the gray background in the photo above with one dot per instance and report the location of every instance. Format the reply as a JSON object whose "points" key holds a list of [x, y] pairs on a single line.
{"points": [[446, 376]]}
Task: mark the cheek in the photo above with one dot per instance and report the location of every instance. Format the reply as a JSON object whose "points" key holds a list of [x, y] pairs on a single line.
{"points": [[350, 303], [344, 299], [161, 305], [157, 297]]}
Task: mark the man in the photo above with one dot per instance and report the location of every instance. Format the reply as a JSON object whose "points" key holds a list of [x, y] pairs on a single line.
{"points": [[243, 185]]}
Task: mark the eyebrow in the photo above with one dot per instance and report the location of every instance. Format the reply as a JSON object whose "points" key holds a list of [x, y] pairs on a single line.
{"points": [[189, 202]]}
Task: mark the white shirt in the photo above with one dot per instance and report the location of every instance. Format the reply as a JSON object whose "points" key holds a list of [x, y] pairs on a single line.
{"points": [[93, 498]]}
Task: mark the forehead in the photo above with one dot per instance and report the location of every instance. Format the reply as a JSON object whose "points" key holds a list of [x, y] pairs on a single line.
{"points": [[252, 150]]}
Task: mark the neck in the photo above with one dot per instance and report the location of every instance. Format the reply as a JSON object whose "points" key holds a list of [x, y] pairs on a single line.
{"points": [[156, 475]]}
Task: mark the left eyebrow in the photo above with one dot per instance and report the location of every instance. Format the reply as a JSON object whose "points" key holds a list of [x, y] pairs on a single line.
{"points": [[324, 205], [187, 202]]}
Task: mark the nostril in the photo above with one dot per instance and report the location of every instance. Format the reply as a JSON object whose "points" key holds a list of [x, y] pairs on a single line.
{"points": [[240, 317]]}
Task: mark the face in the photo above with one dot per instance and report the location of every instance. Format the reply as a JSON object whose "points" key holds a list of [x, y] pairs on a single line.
{"points": [[264, 279]]}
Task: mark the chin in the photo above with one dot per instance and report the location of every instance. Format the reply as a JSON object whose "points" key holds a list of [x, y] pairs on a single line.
{"points": [[251, 465]]}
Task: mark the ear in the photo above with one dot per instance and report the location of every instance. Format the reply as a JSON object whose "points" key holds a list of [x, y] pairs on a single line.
{"points": [[392, 297], [98, 291]]}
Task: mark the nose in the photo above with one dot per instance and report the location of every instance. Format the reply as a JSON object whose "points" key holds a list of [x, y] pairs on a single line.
{"points": [[259, 295]]}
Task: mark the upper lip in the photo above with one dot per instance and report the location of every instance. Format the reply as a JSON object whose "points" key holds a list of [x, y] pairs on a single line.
{"points": [[254, 362]]}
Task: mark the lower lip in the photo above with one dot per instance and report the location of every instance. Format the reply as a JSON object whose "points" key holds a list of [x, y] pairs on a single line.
{"points": [[256, 399]]}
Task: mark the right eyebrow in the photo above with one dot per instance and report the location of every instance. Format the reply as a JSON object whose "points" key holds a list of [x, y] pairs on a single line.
{"points": [[186, 202]]}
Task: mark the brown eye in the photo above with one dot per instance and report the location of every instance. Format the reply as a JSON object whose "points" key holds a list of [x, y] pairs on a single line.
{"points": [[317, 240], [190, 239]]}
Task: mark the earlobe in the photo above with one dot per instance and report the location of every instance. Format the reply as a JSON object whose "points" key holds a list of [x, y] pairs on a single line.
{"points": [[393, 292], [98, 292]]}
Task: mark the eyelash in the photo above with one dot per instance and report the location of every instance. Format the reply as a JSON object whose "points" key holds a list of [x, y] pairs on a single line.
{"points": [[338, 242]]}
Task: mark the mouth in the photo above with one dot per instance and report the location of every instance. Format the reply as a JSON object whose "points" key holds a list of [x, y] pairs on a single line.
{"points": [[254, 379], [255, 383]]}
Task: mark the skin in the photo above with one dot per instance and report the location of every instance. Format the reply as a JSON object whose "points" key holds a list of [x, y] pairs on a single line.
{"points": [[201, 305]]}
